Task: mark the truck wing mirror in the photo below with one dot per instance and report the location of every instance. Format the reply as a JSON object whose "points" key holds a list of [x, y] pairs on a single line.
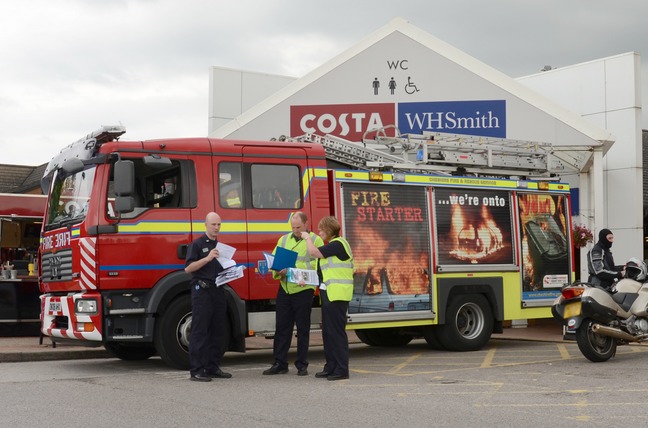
{"points": [[124, 178], [124, 204]]}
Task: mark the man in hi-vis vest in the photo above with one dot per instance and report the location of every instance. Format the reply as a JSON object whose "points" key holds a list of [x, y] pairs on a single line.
{"points": [[336, 289], [294, 300]]}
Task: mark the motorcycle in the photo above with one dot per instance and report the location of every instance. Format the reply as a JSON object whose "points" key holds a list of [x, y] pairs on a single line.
{"points": [[603, 319]]}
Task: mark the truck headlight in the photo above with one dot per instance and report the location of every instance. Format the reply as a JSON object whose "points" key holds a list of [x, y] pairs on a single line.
{"points": [[86, 306]]}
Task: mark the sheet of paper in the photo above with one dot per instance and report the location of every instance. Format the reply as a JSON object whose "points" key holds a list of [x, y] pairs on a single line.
{"points": [[227, 263], [269, 258], [225, 254]]}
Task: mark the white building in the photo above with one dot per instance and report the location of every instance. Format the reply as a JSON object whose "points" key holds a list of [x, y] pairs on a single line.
{"points": [[403, 76]]}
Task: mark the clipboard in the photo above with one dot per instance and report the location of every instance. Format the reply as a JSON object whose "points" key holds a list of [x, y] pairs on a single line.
{"points": [[282, 259]]}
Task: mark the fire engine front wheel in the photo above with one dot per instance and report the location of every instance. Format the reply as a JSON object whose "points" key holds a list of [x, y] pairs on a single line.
{"points": [[469, 323], [172, 333]]}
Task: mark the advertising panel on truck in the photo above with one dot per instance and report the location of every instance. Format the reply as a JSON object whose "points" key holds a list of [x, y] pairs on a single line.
{"points": [[388, 228]]}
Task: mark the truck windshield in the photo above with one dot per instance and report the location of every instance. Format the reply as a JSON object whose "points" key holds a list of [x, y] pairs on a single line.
{"points": [[68, 202]]}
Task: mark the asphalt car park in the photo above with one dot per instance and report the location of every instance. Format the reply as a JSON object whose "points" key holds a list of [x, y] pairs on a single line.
{"points": [[508, 383]]}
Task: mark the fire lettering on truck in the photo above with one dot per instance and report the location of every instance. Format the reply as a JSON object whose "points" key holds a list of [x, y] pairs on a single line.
{"points": [[56, 241], [349, 121], [375, 206]]}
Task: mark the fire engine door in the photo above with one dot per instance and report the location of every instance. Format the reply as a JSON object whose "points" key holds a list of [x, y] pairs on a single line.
{"points": [[147, 245], [275, 190]]}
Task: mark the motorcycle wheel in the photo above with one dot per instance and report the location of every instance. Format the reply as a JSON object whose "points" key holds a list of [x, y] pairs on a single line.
{"points": [[594, 347]]}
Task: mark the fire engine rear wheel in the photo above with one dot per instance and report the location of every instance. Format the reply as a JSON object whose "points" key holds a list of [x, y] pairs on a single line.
{"points": [[172, 332], [130, 351], [469, 323], [386, 337]]}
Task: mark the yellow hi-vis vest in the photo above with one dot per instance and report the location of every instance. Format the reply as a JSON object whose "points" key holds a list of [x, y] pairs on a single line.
{"points": [[304, 261], [337, 275]]}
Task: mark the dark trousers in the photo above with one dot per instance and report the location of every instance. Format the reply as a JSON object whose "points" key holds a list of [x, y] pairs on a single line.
{"points": [[334, 335], [209, 310], [292, 309]]}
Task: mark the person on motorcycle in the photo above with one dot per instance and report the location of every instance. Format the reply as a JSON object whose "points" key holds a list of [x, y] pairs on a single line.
{"points": [[600, 263]]}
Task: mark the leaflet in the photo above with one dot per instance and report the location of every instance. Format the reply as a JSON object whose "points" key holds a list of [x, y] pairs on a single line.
{"points": [[229, 275], [281, 259], [225, 255], [310, 277]]}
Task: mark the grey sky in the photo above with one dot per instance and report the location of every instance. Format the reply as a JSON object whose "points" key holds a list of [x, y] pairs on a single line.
{"points": [[69, 66]]}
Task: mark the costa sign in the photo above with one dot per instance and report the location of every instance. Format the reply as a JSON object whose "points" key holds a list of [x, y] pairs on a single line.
{"points": [[349, 121]]}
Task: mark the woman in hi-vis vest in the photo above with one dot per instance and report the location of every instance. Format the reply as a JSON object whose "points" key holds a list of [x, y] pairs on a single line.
{"points": [[335, 268]]}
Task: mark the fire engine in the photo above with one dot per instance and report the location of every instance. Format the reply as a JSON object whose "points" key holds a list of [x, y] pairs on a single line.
{"points": [[452, 235]]}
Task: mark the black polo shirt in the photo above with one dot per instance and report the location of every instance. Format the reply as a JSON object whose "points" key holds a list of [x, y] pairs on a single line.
{"points": [[199, 249]]}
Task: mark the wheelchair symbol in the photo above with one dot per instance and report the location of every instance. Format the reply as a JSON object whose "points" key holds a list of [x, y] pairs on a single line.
{"points": [[410, 88]]}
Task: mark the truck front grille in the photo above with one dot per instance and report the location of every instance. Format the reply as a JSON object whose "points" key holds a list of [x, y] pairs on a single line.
{"points": [[57, 266]]}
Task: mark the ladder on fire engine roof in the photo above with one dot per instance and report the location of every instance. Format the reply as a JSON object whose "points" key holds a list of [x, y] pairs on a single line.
{"points": [[439, 153]]}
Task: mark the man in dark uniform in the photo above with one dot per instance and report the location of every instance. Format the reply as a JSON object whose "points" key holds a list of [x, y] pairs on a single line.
{"points": [[208, 305]]}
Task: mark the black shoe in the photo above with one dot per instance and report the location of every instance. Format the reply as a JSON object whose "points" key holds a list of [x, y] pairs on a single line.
{"points": [[302, 372], [322, 374], [219, 374], [337, 377], [275, 369], [200, 377]]}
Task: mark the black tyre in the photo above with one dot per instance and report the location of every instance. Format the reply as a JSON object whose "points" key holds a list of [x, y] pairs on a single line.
{"points": [[130, 351], [469, 323], [385, 337], [365, 338], [172, 333], [431, 336], [594, 347]]}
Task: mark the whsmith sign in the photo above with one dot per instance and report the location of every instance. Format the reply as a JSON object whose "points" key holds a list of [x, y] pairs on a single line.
{"points": [[351, 121]]}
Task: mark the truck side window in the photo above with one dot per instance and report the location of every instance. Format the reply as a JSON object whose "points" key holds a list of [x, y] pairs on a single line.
{"points": [[276, 186], [164, 188], [153, 189], [230, 185]]}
